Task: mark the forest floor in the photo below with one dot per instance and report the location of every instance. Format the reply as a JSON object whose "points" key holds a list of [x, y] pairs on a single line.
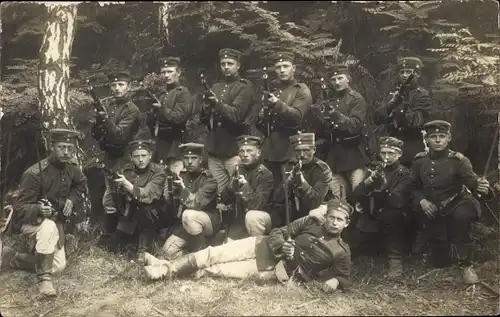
{"points": [[98, 284]]}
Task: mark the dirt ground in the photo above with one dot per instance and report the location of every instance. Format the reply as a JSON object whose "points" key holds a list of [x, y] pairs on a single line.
{"points": [[99, 284]]}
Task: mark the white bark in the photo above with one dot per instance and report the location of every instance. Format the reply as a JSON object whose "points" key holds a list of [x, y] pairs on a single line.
{"points": [[164, 17]]}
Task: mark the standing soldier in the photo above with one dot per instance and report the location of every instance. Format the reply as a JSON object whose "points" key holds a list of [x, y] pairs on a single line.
{"points": [[382, 198], [135, 198], [308, 182], [50, 191], [441, 185], [168, 119], [288, 103], [114, 128], [227, 107], [254, 185], [344, 116], [408, 109], [197, 191]]}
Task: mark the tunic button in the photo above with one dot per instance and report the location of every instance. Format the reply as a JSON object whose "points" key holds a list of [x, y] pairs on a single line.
{"points": [[219, 124], [336, 125], [432, 176], [432, 162]]}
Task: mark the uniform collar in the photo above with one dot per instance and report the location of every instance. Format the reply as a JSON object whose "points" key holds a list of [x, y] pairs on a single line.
{"points": [[141, 171], [172, 86], [230, 79], [438, 154], [341, 93], [393, 167], [57, 164], [123, 100], [251, 167], [288, 83]]}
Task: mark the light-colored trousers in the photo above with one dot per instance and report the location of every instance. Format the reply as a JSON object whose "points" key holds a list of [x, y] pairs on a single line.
{"points": [[258, 223], [46, 236], [350, 178], [222, 169]]}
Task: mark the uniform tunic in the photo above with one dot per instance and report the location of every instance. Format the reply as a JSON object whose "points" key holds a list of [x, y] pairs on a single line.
{"points": [[171, 119], [407, 126], [294, 102], [115, 132], [228, 119], [307, 196], [60, 182], [148, 188]]}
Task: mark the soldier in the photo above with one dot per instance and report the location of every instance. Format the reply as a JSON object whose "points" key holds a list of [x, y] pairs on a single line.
{"points": [[50, 191], [288, 102], [227, 107], [344, 116], [308, 183], [441, 183], [316, 253], [381, 199], [114, 129], [405, 115], [168, 119], [197, 192], [135, 198], [254, 184]]}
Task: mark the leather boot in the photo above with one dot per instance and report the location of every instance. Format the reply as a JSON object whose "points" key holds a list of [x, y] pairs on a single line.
{"points": [[198, 242], [44, 274], [145, 241], [395, 266], [24, 261], [182, 266]]}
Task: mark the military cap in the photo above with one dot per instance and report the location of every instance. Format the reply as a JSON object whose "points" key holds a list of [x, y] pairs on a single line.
{"points": [[284, 57], [141, 145], [437, 126], [63, 135], [248, 140], [230, 53], [391, 143], [302, 139], [410, 62], [340, 69], [191, 148], [339, 205], [120, 76], [170, 62]]}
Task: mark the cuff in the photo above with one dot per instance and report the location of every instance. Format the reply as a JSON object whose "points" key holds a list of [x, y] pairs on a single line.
{"points": [[136, 192], [279, 106], [303, 189]]}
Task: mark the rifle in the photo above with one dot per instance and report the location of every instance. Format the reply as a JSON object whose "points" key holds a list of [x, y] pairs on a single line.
{"points": [[398, 99], [154, 109], [287, 204], [265, 94], [43, 199], [97, 102], [206, 89], [324, 94]]}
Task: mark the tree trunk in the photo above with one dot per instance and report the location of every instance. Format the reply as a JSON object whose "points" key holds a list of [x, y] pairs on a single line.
{"points": [[164, 17], [55, 57]]}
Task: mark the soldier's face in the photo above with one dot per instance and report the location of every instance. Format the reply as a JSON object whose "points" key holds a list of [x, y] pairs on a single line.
{"points": [[119, 88], [340, 82], [192, 163], [305, 153], [404, 73], [335, 221], [438, 141], [248, 154], [390, 156], [63, 152], [141, 158], [284, 70], [229, 67], [171, 74]]}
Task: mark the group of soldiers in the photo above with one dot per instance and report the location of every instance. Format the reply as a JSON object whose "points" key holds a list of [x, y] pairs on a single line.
{"points": [[282, 204]]}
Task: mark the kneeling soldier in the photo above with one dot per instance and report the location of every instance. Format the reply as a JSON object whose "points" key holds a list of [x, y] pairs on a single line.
{"points": [[136, 198], [441, 183], [381, 199], [196, 189], [49, 192], [316, 253], [253, 183]]}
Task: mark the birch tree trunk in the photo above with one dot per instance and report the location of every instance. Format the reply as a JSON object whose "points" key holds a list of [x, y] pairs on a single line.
{"points": [[54, 66], [165, 8]]}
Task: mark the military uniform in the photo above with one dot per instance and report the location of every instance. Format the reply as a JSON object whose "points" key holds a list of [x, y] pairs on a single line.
{"points": [[307, 195], [446, 178], [226, 119], [137, 212], [56, 182], [285, 120], [167, 124], [255, 194], [318, 256], [405, 121], [197, 208], [383, 208]]}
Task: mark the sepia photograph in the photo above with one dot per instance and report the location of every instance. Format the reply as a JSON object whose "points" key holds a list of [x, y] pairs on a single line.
{"points": [[249, 158]]}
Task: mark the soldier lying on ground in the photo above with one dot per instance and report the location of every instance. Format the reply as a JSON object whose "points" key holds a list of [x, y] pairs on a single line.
{"points": [[316, 253]]}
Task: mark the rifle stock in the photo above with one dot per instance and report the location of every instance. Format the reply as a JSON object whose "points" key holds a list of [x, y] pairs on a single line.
{"points": [[97, 102]]}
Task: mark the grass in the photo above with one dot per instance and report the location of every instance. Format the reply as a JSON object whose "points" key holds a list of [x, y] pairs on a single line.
{"points": [[99, 284]]}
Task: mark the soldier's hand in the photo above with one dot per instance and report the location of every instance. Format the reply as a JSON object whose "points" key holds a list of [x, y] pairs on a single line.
{"points": [[272, 98], [121, 180], [330, 286], [68, 208], [242, 180], [102, 114], [369, 180], [288, 249], [319, 214], [45, 211], [483, 186], [179, 182], [156, 105], [428, 208]]}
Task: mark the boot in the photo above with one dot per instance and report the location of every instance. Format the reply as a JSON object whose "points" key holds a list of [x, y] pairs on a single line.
{"points": [[469, 275], [182, 266], [395, 267], [24, 261], [145, 241], [198, 242], [44, 274], [149, 259]]}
